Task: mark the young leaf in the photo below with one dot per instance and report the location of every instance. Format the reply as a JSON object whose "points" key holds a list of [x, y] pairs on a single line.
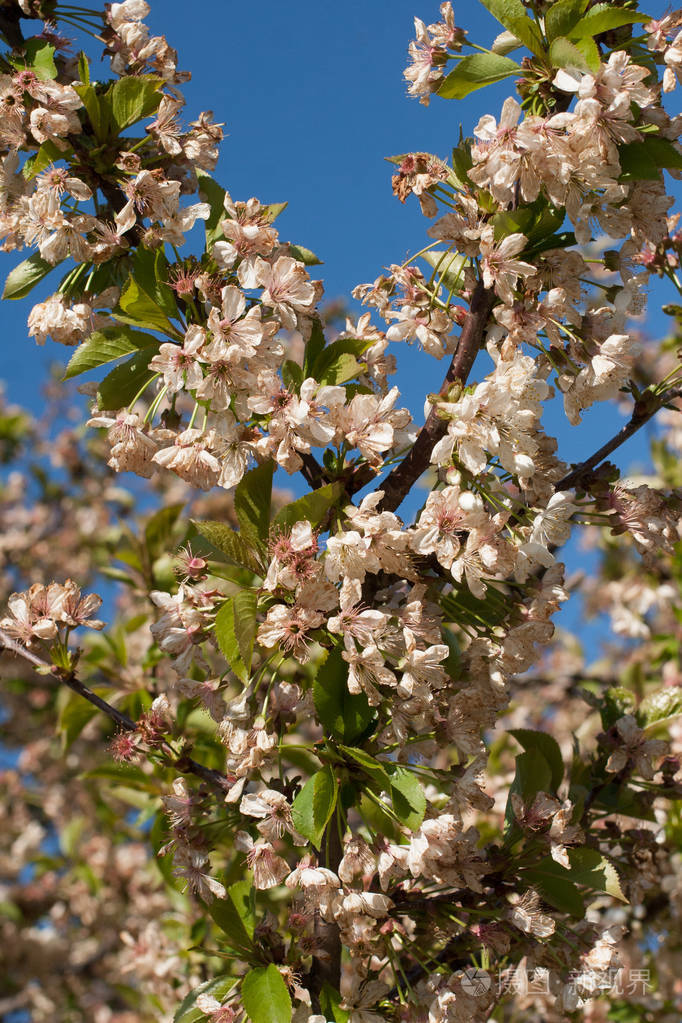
{"points": [[233, 545], [304, 255], [314, 805], [124, 382], [217, 988], [337, 362], [151, 273], [314, 347], [512, 14], [132, 98], [476, 71], [562, 16], [407, 796], [40, 161], [372, 767], [330, 1005], [38, 55], [159, 529], [313, 507], [660, 706], [235, 631], [96, 108], [547, 745], [83, 68], [344, 716], [235, 915], [252, 501], [26, 275], [564, 53], [105, 346], [588, 868], [145, 310], [213, 194], [265, 996], [604, 18]]}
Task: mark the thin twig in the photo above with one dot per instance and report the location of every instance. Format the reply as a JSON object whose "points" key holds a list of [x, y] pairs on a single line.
{"points": [[641, 414], [186, 765]]}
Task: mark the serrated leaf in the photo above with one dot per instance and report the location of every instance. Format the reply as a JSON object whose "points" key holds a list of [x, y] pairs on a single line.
{"points": [[588, 868], [97, 110], [345, 716], [313, 507], [213, 194], [158, 531], [372, 767], [547, 746], [230, 543], [313, 806], [235, 915], [561, 17], [330, 1005], [39, 56], [83, 68], [150, 271], [265, 996], [26, 275], [449, 267], [512, 14], [643, 161], [407, 796], [272, 210], [533, 774], [304, 255], [142, 309], [338, 363], [604, 18], [660, 706], [560, 892], [476, 71], [121, 386], [253, 500], [217, 988], [565, 54], [235, 631], [40, 161], [105, 346], [132, 98], [314, 346]]}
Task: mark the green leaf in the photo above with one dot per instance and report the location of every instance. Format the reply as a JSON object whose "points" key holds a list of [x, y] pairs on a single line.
{"points": [[144, 310], [644, 160], [588, 868], [74, 714], [265, 996], [314, 805], [272, 211], [617, 702], [213, 194], [253, 500], [218, 988], [372, 767], [561, 17], [449, 267], [150, 271], [476, 71], [83, 68], [344, 716], [292, 375], [26, 275], [132, 98], [604, 18], [560, 892], [512, 14], [105, 346], [235, 631], [97, 110], [590, 52], [337, 362], [158, 532], [235, 915], [304, 255], [40, 161], [121, 386], [660, 706], [533, 775], [313, 507], [230, 543], [407, 796], [547, 745], [564, 53], [330, 1005], [314, 346], [39, 56]]}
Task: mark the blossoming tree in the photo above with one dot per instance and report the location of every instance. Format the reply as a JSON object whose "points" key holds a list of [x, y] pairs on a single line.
{"points": [[371, 781]]}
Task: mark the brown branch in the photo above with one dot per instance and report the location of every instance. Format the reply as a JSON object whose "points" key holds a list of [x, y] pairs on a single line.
{"points": [[186, 765], [326, 964], [400, 480], [312, 471], [642, 413]]}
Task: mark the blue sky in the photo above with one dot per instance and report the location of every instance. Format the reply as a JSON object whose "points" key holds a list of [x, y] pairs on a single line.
{"points": [[313, 100]]}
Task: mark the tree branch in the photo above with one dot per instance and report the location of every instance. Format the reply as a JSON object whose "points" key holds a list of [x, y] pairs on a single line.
{"points": [[399, 481], [641, 414], [186, 765]]}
